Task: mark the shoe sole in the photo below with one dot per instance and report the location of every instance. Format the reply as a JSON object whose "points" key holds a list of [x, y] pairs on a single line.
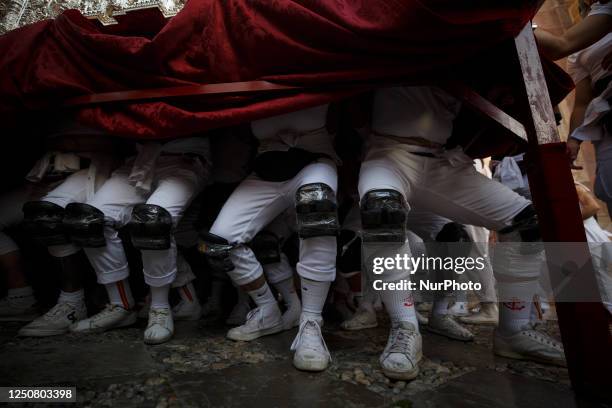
{"points": [[130, 321], [363, 327], [404, 375], [249, 337], [311, 366], [448, 335], [480, 322], [516, 356], [153, 342]]}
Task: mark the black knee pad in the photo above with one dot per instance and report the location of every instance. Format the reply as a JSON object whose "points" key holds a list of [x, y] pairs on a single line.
{"points": [[84, 224], [266, 247], [42, 220], [383, 216], [454, 240], [150, 227], [526, 223], [317, 211], [216, 250]]}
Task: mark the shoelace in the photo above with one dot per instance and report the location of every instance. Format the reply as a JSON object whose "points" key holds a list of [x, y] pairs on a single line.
{"points": [[309, 328], [59, 309], [403, 340], [252, 316], [158, 317], [543, 338]]}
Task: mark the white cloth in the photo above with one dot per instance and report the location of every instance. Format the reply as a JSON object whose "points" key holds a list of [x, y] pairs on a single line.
{"points": [[587, 63], [304, 129], [509, 173], [279, 271], [418, 111], [177, 179], [255, 203]]}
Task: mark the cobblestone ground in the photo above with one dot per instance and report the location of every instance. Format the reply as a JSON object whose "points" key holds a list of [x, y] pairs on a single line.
{"points": [[199, 367]]}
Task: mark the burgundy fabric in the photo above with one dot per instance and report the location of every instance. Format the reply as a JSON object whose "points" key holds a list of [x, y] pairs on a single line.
{"points": [[308, 42]]}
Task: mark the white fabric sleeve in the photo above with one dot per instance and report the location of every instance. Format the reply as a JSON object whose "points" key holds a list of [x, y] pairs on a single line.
{"points": [[599, 8], [576, 70]]}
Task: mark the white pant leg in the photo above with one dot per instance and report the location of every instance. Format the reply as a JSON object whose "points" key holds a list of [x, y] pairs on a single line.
{"points": [[317, 254], [278, 271], [71, 190], [252, 205], [178, 181], [480, 236], [115, 199], [379, 172], [184, 273]]}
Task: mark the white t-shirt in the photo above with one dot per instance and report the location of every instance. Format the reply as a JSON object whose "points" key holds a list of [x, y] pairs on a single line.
{"points": [[416, 111], [304, 129]]}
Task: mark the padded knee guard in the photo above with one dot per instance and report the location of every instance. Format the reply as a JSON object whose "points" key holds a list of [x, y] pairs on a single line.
{"points": [[42, 220], [217, 251], [383, 216], [317, 211], [526, 224], [150, 227], [454, 240], [84, 224], [266, 247]]}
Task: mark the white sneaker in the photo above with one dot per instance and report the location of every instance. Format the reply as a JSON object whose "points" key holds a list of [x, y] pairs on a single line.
{"points": [[111, 317], [447, 326], [291, 317], [487, 315], [238, 315], [459, 309], [529, 344], [400, 359], [260, 321], [187, 311], [160, 328], [22, 309], [55, 321], [364, 318], [311, 353]]}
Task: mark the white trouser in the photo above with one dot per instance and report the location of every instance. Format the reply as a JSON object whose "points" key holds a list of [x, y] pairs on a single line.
{"points": [[459, 193], [177, 179], [255, 203], [278, 271], [184, 273]]}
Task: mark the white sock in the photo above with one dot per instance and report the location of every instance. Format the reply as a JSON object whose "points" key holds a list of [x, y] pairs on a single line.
{"points": [[73, 298], [287, 291], [188, 293], [400, 306], [440, 306], [516, 305], [23, 297], [262, 296], [160, 297], [314, 295], [120, 294]]}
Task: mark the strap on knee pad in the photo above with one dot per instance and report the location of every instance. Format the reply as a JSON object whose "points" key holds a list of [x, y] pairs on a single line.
{"points": [[216, 250], [526, 224], [42, 220], [150, 227], [266, 247], [383, 216], [317, 211], [84, 224]]}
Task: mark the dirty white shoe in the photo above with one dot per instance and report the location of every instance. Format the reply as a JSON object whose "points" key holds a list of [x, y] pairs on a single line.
{"points": [[529, 344], [487, 315], [400, 359], [260, 321], [56, 321], [111, 317], [18, 309], [291, 317], [459, 309], [311, 353], [421, 319], [160, 328], [447, 326], [238, 315], [364, 318], [187, 311]]}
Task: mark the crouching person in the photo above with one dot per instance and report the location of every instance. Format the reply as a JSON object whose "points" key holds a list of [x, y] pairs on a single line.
{"points": [[148, 195]]}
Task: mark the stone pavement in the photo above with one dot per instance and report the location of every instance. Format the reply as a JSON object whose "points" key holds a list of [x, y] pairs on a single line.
{"points": [[200, 368]]}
